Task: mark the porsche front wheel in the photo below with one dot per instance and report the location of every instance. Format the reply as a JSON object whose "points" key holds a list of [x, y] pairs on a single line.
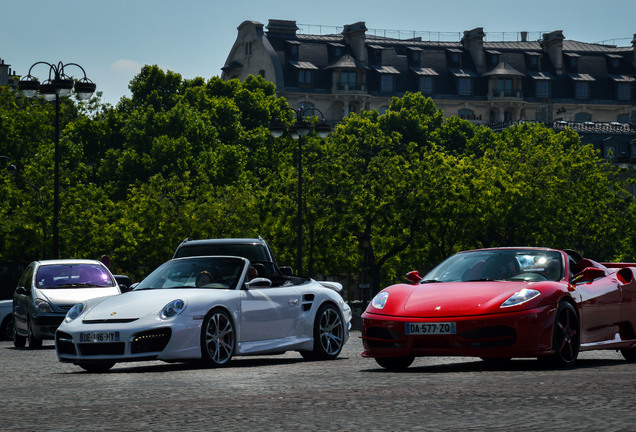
{"points": [[329, 333], [217, 338], [395, 363], [566, 336]]}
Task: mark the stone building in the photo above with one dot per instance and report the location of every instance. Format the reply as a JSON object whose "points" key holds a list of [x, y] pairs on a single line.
{"points": [[550, 79]]}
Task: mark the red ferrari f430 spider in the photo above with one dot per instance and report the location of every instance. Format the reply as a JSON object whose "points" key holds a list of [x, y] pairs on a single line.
{"points": [[503, 303]]}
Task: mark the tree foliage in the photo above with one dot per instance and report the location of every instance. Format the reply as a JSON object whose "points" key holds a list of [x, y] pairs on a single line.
{"points": [[383, 194]]}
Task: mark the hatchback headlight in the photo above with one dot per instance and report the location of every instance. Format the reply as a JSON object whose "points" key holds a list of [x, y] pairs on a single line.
{"points": [[43, 305], [74, 312], [519, 297], [172, 309]]}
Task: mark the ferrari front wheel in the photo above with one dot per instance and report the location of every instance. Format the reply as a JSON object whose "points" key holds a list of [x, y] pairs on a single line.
{"points": [[565, 336], [218, 338], [329, 334], [395, 363]]}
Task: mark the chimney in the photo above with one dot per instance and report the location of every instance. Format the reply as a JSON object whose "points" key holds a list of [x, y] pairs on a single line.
{"points": [[634, 45], [524, 36], [473, 42], [355, 38], [552, 44], [282, 27]]}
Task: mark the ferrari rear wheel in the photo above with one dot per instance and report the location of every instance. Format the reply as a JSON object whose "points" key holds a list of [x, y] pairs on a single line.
{"points": [[97, 367], [629, 354], [218, 338], [566, 336], [328, 334], [395, 363]]}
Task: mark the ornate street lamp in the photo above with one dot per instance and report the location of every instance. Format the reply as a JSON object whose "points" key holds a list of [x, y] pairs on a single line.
{"points": [[59, 84], [298, 130], [11, 169]]}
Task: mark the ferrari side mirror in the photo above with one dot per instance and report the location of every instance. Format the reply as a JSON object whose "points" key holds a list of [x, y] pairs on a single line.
{"points": [[413, 276]]}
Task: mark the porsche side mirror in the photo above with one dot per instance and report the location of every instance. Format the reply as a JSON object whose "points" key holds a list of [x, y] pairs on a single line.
{"points": [[413, 276], [588, 274], [258, 283], [133, 286]]}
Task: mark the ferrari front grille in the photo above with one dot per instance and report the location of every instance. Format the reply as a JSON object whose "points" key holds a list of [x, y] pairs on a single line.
{"points": [[380, 337], [150, 341], [488, 337]]}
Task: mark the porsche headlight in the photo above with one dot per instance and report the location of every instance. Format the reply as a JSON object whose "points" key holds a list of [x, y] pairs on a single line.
{"points": [[520, 297], [379, 301], [172, 309], [43, 305], [74, 312]]}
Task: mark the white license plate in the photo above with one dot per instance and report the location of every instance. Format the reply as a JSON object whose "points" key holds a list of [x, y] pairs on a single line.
{"points": [[434, 328], [99, 337]]}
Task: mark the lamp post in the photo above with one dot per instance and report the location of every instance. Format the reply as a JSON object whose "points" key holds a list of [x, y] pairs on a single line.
{"points": [[11, 169], [59, 84], [298, 130]]}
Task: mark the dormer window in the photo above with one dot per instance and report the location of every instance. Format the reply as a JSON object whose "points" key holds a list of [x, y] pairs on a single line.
{"points": [[454, 57], [305, 78], [248, 48], [465, 87], [572, 61]]}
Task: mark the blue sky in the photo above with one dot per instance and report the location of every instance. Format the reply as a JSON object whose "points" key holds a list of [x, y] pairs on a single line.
{"points": [[113, 39]]}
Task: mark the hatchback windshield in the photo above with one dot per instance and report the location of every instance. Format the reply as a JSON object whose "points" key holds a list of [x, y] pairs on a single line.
{"points": [[499, 264], [72, 276], [199, 272]]}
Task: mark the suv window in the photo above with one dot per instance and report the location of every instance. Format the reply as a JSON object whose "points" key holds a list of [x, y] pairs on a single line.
{"points": [[252, 252]]}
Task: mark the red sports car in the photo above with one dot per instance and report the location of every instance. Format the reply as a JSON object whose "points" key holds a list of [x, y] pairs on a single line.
{"points": [[503, 303]]}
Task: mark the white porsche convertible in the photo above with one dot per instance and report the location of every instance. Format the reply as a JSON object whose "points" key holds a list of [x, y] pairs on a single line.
{"points": [[209, 309]]}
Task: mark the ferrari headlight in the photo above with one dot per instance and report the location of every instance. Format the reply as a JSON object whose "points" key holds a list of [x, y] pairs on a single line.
{"points": [[379, 301], [172, 309], [43, 305], [74, 312], [520, 297]]}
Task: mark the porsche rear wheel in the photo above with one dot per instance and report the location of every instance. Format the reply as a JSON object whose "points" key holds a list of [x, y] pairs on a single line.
{"points": [[218, 338], [96, 367], [395, 363], [565, 336], [329, 333]]}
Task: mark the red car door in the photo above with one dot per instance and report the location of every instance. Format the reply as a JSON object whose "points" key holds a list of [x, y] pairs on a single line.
{"points": [[600, 308]]}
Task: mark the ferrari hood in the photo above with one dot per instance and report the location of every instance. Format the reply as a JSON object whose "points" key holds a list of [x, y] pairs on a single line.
{"points": [[458, 299]]}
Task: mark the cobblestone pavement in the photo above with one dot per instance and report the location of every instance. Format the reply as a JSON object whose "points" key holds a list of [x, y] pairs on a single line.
{"points": [[285, 393]]}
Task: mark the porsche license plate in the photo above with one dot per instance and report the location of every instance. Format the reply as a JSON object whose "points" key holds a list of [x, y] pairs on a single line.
{"points": [[99, 337], [431, 328]]}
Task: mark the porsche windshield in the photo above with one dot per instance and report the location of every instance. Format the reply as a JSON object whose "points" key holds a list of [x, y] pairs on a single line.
{"points": [[499, 264], [199, 272]]}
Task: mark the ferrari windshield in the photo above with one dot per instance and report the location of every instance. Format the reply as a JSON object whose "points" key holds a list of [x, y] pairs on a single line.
{"points": [[196, 272], [499, 264]]}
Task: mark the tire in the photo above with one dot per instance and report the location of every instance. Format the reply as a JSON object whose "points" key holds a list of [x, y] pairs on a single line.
{"points": [[329, 334], [395, 363], [497, 361], [96, 367], [218, 338], [6, 329], [18, 340], [565, 336], [34, 342], [629, 354]]}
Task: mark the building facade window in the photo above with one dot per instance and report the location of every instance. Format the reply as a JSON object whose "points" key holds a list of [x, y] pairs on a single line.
{"points": [[622, 118], [261, 73], [386, 83], [305, 105], [623, 91], [426, 85], [248, 48], [542, 88], [582, 90], [347, 81], [504, 87], [305, 78], [582, 117], [466, 114], [465, 87]]}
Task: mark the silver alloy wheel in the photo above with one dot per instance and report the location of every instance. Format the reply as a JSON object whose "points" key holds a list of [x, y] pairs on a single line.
{"points": [[331, 331], [219, 338]]}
